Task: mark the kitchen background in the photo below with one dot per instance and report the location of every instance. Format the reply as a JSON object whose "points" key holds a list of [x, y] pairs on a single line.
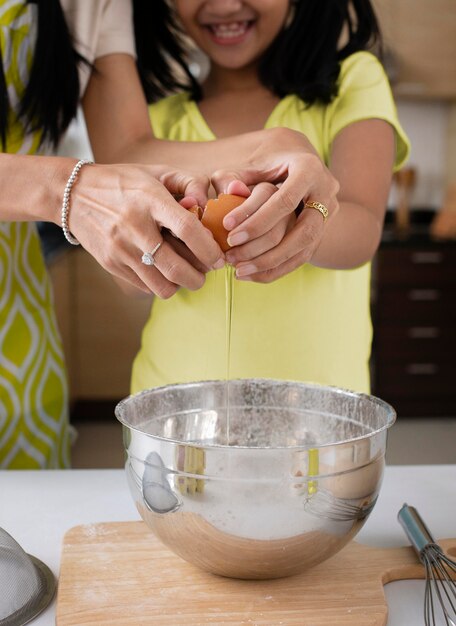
{"points": [[414, 273]]}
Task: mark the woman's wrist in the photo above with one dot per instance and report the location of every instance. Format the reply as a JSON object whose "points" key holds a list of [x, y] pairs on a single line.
{"points": [[57, 173], [66, 202], [33, 187]]}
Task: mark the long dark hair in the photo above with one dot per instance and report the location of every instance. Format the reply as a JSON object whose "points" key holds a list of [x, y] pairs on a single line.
{"points": [[51, 97], [304, 59]]}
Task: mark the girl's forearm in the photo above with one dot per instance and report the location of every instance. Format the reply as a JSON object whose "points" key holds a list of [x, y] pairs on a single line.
{"points": [[32, 187], [351, 238]]}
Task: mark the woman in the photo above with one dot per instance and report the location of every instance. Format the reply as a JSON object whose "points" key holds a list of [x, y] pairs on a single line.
{"points": [[116, 212]]}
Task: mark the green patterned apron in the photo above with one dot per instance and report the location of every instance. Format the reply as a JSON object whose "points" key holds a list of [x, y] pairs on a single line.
{"points": [[33, 386]]}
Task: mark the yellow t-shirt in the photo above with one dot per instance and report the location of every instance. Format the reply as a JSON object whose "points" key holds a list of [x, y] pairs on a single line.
{"points": [[310, 325]]}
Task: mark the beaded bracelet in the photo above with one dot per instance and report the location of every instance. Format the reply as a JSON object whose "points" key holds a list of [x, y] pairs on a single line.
{"points": [[66, 201]]}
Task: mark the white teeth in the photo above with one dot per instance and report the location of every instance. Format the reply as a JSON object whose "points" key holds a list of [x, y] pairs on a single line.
{"points": [[229, 31]]}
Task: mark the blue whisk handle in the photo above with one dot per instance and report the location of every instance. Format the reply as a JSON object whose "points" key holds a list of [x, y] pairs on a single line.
{"points": [[416, 530]]}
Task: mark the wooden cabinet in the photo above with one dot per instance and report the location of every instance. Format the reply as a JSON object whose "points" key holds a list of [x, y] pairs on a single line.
{"points": [[414, 317], [421, 37]]}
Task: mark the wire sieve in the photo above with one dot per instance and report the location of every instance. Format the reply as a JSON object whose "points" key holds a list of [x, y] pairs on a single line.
{"points": [[27, 584]]}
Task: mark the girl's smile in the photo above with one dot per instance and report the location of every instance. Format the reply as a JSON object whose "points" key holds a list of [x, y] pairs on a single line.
{"points": [[234, 34], [229, 33]]}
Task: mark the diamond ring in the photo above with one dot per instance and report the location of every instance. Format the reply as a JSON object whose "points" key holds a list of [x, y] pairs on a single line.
{"points": [[148, 257]]}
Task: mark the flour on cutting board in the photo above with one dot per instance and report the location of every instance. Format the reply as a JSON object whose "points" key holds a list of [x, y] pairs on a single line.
{"points": [[95, 530]]}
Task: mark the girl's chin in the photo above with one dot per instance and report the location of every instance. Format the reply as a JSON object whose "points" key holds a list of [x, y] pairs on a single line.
{"points": [[228, 64]]}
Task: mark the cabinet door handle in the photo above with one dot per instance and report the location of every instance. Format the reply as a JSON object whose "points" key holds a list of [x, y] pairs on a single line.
{"points": [[427, 257], [424, 294], [422, 369], [423, 332]]}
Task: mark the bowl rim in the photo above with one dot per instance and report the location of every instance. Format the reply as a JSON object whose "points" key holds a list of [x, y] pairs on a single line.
{"points": [[391, 413]]}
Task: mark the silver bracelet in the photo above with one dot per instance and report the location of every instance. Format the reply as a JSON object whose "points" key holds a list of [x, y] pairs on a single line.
{"points": [[66, 201]]}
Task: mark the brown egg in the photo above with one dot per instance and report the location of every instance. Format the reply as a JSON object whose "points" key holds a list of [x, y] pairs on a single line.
{"points": [[214, 213], [196, 210]]}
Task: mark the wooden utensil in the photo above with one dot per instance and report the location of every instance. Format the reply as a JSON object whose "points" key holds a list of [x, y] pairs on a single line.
{"points": [[405, 180], [443, 225], [119, 574]]}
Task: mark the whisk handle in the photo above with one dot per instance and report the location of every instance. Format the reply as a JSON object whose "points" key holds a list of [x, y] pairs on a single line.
{"points": [[416, 530]]}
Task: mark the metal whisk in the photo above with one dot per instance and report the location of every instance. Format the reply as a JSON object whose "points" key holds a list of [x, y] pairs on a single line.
{"points": [[324, 504], [440, 593]]}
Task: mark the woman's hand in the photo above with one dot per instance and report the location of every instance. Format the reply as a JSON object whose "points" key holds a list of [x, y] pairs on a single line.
{"points": [[303, 177], [114, 99], [296, 247], [351, 235], [118, 213], [294, 239], [253, 202], [282, 156], [241, 256]]}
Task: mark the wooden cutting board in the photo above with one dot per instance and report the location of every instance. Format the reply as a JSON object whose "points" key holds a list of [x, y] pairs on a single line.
{"points": [[119, 574]]}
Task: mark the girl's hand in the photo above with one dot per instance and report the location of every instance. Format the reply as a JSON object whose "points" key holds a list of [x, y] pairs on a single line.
{"points": [[117, 213]]}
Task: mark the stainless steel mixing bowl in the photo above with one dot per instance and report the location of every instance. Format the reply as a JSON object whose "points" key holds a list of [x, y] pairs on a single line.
{"points": [[280, 486]]}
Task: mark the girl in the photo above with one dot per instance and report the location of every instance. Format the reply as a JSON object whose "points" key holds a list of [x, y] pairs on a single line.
{"points": [[54, 56], [301, 65]]}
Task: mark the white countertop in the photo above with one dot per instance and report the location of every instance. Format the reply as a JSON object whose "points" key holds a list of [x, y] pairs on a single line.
{"points": [[38, 507]]}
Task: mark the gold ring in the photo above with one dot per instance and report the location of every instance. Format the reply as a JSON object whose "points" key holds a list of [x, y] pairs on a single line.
{"points": [[320, 207], [148, 257]]}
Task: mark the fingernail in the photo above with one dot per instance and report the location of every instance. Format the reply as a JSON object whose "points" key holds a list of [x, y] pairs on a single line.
{"points": [[238, 238], [230, 258], [219, 264], [229, 223], [246, 270]]}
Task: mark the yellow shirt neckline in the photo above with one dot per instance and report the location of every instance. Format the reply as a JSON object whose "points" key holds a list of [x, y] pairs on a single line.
{"points": [[198, 120]]}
